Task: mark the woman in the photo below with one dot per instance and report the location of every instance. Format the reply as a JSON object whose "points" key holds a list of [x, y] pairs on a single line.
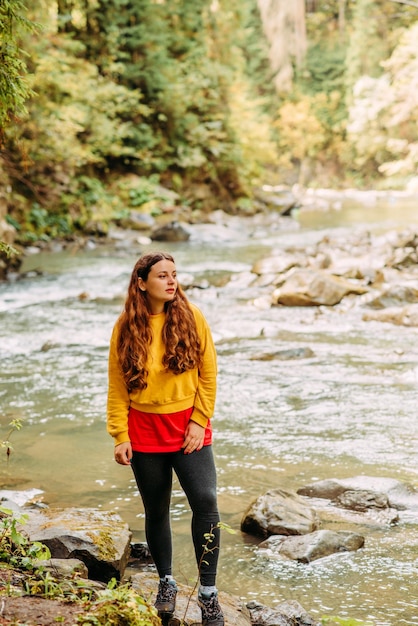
{"points": [[162, 386]]}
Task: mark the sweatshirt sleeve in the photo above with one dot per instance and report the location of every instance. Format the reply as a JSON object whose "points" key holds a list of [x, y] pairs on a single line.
{"points": [[204, 403], [117, 396]]}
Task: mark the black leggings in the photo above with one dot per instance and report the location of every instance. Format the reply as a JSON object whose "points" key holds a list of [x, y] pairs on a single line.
{"points": [[197, 475]]}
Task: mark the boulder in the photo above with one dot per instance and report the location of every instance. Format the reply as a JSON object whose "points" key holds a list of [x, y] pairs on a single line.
{"points": [[277, 199], [289, 613], [136, 220], [394, 295], [279, 512], [361, 500], [313, 546], [187, 610], [400, 496], [314, 288], [278, 264], [401, 316], [98, 538], [63, 568], [173, 232]]}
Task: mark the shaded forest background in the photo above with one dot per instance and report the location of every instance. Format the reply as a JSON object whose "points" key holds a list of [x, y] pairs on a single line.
{"points": [[108, 106]]}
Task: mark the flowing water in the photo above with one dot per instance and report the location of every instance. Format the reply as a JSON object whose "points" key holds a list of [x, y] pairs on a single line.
{"points": [[349, 409]]}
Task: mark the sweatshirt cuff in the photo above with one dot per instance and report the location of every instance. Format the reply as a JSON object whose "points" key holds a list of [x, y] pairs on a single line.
{"points": [[199, 418], [121, 438]]}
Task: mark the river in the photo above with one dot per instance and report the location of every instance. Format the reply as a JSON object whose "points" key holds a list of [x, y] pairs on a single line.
{"points": [[348, 410]]}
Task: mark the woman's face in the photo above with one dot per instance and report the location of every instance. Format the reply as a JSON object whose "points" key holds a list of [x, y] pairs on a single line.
{"points": [[160, 286]]}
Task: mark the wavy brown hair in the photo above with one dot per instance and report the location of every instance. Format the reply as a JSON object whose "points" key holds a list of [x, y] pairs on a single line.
{"points": [[182, 344]]}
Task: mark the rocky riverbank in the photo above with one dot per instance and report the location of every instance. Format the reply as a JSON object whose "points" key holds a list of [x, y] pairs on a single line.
{"points": [[90, 548]]}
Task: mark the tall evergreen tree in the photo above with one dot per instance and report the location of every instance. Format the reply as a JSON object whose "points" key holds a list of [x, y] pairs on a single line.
{"points": [[14, 89]]}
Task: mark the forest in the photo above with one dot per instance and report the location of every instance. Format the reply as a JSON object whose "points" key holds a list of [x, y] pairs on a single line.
{"points": [[109, 106]]}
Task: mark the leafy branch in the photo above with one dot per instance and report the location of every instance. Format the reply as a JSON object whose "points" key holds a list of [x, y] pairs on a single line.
{"points": [[14, 88]]}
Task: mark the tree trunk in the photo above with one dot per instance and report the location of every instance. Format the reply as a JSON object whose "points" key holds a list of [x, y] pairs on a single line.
{"points": [[285, 28], [65, 24]]}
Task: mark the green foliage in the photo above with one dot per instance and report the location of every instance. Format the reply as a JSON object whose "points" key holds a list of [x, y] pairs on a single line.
{"points": [[183, 92], [120, 606], [384, 116], [324, 68], [14, 425], [8, 250], [14, 88], [15, 548], [43, 583]]}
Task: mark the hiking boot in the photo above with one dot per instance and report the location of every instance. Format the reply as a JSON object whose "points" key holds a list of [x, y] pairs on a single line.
{"points": [[211, 611], [165, 602]]}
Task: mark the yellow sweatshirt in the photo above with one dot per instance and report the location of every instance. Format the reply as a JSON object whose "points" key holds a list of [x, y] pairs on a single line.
{"points": [[166, 392]]}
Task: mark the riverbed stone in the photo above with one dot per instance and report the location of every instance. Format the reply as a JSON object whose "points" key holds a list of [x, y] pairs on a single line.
{"points": [[279, 512], [278, 264], [361, 500], [401, 496], [137, 220], [98, 538], [289, 613], [313, 546], [314, 288], [284, 355], [172, 232], [394, 295], [400, 316], [63, 568], [187, 610]]}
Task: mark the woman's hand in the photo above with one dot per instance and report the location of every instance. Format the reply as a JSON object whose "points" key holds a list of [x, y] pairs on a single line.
{"points": [[123, 453], [193, 437]]}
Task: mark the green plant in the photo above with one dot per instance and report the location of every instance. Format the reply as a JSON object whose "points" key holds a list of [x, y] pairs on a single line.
{"points": [[43, 583], [209, 537], [8, 249], [120, 606], [15, 548], [14, 87], [44, 224], [15, 424]]}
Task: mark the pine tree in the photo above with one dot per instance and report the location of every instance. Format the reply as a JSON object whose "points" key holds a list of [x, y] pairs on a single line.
{"points": [[14, 89]]}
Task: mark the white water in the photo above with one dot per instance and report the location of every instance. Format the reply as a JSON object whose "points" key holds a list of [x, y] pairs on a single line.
{"points": [[350, 409]]}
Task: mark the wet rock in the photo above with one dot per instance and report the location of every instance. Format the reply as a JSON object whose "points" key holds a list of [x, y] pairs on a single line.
{"points": [[400, 316], [401, 496], [63, 568], [279, 264], [236, 613], [289, 613], [405, 257], [135, 220], [361, 500], [11, 497], [314, 288], [277, 199], [98, 538], [313, 546], [279, 512], [96, 228], [284, 355], [393, 295], [173, 231]]}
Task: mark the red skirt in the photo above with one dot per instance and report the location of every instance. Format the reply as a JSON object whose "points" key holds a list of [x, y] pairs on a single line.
{"points": [[160, 432]]}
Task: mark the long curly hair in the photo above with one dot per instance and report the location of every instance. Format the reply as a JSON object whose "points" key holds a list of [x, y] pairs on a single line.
{"points": [[181, 340]]}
